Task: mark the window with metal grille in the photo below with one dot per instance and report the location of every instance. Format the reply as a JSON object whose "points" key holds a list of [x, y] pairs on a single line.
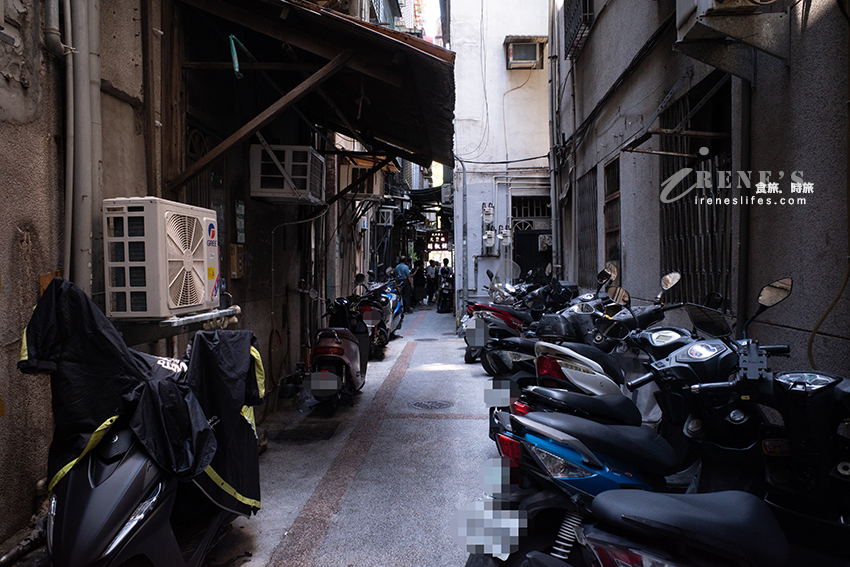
{"points": [[612, 217], [586, 236], [696, 239], [578, 18], [530, 207]]}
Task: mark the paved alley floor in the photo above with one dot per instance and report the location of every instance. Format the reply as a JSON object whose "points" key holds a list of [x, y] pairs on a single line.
{"points": [[376, 484]]}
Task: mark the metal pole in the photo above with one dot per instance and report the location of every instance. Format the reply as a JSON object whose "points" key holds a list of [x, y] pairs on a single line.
{"points": [[465, 291]]}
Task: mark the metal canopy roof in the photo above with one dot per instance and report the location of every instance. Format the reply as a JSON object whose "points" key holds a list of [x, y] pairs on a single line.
{"points": [[395, 91]]}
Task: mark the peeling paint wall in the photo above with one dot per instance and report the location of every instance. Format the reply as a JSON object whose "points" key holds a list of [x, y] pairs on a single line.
{"points": [[32, 200]]}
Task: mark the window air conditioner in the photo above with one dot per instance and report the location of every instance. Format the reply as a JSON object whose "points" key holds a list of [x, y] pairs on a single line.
{"points": [[161, 258], [522, 55], [296, 174]]}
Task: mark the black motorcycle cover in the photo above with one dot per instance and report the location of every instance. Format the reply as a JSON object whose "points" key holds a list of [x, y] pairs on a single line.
{"points": [[95, 378]]}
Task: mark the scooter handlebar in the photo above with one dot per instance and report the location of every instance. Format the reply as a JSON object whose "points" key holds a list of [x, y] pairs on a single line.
{"points": [[776, 350], [715, 387], [638, 382]]}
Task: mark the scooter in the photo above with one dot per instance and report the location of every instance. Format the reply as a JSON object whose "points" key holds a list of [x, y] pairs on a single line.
{"points": [[339, 356], [760, 431], [146, 486], [378, 308], [445, 293]]}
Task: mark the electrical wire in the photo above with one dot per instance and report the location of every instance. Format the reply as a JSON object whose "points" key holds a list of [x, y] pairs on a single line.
{"points": [[501, 162]]}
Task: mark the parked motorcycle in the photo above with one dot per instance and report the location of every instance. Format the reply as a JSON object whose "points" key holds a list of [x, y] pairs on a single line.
{"points": [[382, 312], [152, 457], [445, 291], [340, 353], [775, 435]]}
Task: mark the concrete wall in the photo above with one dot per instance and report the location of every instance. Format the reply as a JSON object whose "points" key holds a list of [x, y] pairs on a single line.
{"points": [[500, 115], [32, 200], [799, 123]]}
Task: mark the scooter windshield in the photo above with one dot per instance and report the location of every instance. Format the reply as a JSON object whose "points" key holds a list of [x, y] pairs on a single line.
{"points": [[501, 290]]}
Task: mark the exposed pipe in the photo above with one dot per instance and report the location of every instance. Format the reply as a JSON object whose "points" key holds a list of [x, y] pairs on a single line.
{"points": [[82, 233], [54, 44], [744, 220], [554, 85], [96, 150], [465, 279]]}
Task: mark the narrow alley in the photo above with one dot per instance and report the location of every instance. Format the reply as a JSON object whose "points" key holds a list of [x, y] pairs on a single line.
{"points": [[375, 484]]}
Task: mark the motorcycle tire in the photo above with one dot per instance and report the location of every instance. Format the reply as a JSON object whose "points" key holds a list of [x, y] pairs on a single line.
{"points": [[485, 364], [470, 355]]}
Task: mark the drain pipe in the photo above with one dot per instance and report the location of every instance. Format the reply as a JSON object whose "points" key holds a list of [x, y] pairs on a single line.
{"points": [[554, 85], [465, 280], [96, 153], [54, 44], [81, 273]]}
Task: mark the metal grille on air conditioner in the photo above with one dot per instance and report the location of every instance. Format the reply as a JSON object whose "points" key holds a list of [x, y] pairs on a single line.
{"points": [[161, 258]]}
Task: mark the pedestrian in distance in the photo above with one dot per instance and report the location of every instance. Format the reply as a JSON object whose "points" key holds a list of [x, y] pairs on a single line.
{"points": [[431, 276], [402, 272], [419, 282]]}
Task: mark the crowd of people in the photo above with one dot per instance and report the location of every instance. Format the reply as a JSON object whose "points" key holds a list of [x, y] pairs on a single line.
{"points": [[418, 282]]}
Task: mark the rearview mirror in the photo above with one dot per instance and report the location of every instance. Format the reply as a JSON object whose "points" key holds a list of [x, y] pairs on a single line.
{"points": [[314, 295], [603, 277], [670, 280], [549, 269], [359, 278], [775, 292], [713, 300], [612, 269], [619, 295]]}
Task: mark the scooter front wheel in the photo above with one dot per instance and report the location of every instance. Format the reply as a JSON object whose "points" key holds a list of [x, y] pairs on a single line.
{"points": [[471, 355]]}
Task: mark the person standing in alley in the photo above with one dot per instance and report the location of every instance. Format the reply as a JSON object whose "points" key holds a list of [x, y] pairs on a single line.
{"points": [[402, 272], [419, 281], [431, 277]]}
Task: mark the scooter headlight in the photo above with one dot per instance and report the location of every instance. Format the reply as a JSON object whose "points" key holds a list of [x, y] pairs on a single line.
{"points": [[558, 467], [137, 516]]}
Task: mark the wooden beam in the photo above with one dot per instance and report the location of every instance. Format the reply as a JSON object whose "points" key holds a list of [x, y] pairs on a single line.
{"points": [[261, 120], [353, 185], [286, 33], [249, 65]]}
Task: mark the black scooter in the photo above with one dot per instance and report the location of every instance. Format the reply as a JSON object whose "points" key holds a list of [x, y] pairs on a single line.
{"points": [[117, 507]]}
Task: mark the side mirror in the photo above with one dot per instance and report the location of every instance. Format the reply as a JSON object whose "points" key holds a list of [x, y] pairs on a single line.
{"points": [[612, 269], [603, 277], [670, 280], [713, 300], [359, 278], [770, 295], [549, 269], [775, 292], [619, 295], [314, 295], [490, 274], [709, 321]]}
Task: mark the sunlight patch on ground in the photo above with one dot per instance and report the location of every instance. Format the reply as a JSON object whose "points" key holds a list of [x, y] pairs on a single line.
{"points": [[439, 367]]}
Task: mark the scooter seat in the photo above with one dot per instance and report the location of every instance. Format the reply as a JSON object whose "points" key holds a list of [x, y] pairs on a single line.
{"points": [[732, 524], [639, 446], [613, 407], [523, 316], [336, 332]]}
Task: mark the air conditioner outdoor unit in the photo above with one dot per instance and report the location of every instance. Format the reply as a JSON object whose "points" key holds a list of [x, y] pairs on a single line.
{"points": [[296, 174], [161, 258]]}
